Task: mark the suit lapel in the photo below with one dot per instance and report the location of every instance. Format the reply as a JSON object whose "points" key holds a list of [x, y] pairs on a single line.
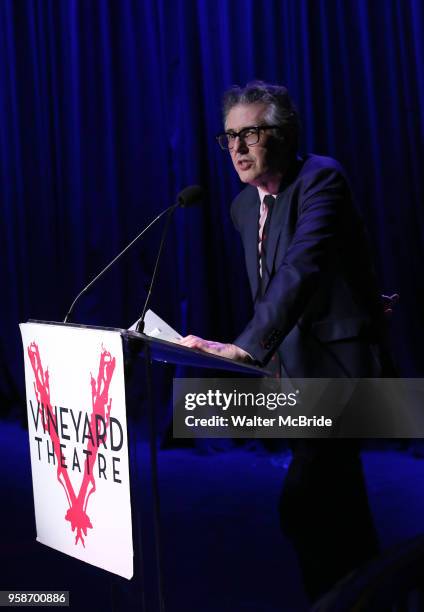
{"points": [[279, 218], [251, 239], [276, 227]]}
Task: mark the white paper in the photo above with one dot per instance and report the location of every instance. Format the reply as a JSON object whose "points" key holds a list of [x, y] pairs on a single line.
{"points": [[157, 328]]}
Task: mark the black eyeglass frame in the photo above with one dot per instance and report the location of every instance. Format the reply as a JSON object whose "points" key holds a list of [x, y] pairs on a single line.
{"points": [[223, 142]]}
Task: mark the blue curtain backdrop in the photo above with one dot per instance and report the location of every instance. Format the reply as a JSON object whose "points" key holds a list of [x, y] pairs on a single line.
{"points": [[109, 108]]}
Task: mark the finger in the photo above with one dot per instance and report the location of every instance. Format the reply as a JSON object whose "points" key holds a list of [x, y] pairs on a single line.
{"points": [[188, 339], [194, 343]]}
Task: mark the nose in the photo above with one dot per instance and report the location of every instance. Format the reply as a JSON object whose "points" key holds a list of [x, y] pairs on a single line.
{"points": [[239, 145]]}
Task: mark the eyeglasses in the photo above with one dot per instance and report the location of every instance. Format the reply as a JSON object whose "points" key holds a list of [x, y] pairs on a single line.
{"points": [[249, 135]]}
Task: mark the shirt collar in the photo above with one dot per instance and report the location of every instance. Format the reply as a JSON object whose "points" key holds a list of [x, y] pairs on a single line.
{"points": [[263, 193]]}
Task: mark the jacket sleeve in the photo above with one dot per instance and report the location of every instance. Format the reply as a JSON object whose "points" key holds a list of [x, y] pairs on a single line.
{"points": [[323, 199]]}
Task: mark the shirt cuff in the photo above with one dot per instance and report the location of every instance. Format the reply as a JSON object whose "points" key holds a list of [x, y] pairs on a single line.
{"points": [[245, 355]]}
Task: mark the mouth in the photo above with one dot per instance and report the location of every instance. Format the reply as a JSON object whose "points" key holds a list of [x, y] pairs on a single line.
{"points": [[244, 164]]}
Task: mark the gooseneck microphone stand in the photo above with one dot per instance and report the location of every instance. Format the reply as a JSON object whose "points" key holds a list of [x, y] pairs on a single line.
{"points": [[187, 197], [115, 259], [140, 324]]}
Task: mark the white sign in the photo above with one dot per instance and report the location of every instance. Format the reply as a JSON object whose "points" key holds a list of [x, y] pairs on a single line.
{"points": [[77, 426]]}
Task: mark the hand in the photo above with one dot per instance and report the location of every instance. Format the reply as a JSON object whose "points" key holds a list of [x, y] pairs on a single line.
{"points": [[230, 351]]}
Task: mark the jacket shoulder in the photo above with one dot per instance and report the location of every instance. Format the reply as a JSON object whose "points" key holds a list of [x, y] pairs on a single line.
{"points": [[321, 165]]}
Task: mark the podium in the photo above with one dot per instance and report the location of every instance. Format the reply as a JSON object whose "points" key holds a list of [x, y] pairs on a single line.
{"points": [[86, 481]]}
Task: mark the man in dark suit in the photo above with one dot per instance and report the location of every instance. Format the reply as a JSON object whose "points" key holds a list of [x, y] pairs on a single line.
{"points": [[317, 314]]}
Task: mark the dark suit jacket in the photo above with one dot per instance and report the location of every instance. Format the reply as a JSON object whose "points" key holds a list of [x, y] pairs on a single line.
{"points": [[321, 309]]}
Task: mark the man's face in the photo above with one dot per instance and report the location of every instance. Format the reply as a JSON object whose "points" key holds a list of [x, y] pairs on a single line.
{"points": [[258, 163]]}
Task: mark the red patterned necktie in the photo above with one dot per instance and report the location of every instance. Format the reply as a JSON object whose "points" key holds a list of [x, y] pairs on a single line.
{"points": [[264, 224]]}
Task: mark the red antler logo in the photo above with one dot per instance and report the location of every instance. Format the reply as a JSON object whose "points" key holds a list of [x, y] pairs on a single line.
{"points": [[101, 406]]}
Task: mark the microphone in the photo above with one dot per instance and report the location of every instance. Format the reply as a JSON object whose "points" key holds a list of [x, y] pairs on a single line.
{"points": [[187, 197]]}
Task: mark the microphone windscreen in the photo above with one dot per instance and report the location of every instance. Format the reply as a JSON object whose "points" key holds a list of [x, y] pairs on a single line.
{"points": [[190, 195]]}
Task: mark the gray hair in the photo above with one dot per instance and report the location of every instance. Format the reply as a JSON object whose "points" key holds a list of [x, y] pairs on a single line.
{"points": [[281, 109]]}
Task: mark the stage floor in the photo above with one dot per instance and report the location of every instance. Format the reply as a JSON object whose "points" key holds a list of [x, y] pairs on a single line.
{"points": [[222, 547]]}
